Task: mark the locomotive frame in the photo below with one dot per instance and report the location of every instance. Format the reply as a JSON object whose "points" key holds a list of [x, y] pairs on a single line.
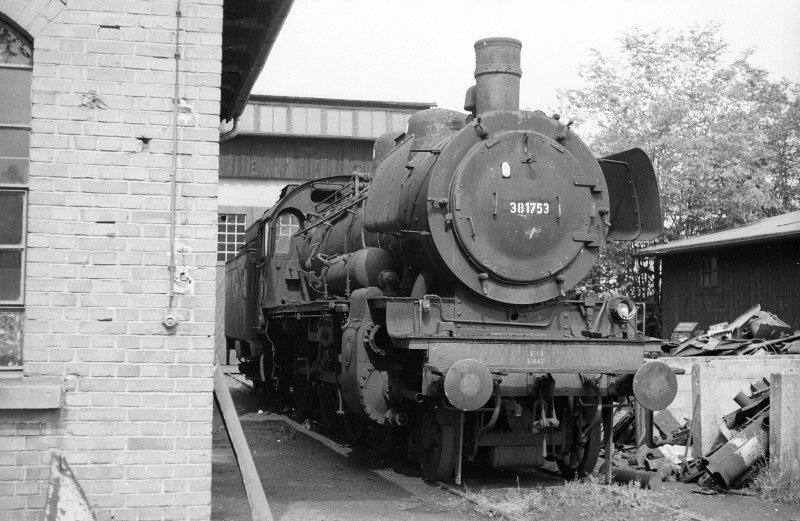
{"points": [[413, 301]]}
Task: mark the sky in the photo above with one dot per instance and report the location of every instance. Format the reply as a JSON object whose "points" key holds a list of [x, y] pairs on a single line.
{"points": [[422, 50]]}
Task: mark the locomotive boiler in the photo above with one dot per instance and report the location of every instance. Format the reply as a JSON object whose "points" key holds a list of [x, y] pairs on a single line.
{"points": [[432, 300]]}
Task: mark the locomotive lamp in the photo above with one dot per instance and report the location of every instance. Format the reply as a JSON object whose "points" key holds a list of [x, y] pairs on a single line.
{"points": [[622, 309]]}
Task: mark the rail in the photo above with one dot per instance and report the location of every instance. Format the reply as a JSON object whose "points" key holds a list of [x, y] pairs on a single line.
{"points": [[336, 213]]}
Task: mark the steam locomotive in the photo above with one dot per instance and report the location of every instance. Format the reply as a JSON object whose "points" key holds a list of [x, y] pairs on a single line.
{"points": [[432, 299]]}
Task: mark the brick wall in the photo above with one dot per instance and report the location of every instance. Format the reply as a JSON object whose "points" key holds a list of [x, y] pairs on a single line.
{"points": [[135, 424]]}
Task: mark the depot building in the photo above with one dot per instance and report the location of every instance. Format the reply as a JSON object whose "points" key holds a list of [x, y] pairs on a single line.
{"points": [[109, 155]]}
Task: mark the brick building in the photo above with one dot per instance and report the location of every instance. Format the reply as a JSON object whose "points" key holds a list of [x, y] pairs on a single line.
{"points": [[109, 153]]}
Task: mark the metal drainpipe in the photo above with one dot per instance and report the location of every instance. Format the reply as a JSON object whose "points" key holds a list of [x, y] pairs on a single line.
{"points": [[170, 319], [232, 133]]}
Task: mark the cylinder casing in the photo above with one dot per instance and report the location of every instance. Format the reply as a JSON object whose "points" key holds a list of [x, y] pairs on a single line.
{"points": [[356, 270]]}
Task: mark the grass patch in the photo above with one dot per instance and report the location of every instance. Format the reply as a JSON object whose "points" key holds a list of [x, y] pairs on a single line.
{"points": [[579, 500], [772, 484]]}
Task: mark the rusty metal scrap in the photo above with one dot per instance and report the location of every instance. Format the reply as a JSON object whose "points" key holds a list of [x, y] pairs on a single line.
{"points": [[767, 326], [732, 461], [666, 422], [729, 465], [645, 479], [754, 332]]}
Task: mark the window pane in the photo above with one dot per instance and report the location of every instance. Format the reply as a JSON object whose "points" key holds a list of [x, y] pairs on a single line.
{"points": [[398, 122], [14, 142], [279, 119], [332, 122], [314, 122], [346, 123], [12, 204], [230, 236], [15, 103], [364, 124], [378, 123], [298, 120], [10, 275], [246, 119], [13, 171], [11, 337], [265, 118], [14, 47], [709, 272], [288, 225]]}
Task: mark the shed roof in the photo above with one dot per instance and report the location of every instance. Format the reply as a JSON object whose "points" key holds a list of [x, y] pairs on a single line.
{"points": [[249, 30], [410, 106], [778, 227]]}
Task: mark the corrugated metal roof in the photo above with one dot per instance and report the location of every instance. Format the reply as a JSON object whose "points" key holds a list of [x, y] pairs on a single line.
{"points": [[249, 30], [779, 227], [412, 106]]}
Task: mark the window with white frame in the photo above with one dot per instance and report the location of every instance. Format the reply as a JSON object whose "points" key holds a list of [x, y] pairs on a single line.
{"points": [[16, 64], [230, 234], [288, 224]]}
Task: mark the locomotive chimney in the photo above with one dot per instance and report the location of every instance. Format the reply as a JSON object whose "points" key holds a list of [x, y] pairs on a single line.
{"points": [[497, 74]]}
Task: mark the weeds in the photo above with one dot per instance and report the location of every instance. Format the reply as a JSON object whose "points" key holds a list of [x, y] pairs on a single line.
{"points": [[588, 499], [779, 486]]}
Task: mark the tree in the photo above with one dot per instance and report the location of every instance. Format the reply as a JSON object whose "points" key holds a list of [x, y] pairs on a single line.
{"points": [[783, 139], [723, 138], [714, 125]]}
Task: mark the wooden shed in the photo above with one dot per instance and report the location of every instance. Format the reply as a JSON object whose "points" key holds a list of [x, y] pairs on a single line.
{"points": [[715, 277]]}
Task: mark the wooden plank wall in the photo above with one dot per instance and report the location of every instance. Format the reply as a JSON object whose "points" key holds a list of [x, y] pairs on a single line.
{"points": [[219, 321], [767, 274], [293, 158]]}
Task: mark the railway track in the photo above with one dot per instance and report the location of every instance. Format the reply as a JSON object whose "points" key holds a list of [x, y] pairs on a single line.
{"points": [[390, 466], [310, 476], [393, 470]]}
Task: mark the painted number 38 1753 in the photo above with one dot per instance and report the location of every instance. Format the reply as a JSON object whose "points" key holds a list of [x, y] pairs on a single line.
{"points": [[530, 207]]}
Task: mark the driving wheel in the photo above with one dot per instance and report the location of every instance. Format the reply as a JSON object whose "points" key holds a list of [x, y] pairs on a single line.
{"points": [[301, 395], [328, 398], [382, 438], [436, 444], [580, 461], [354, 427]]}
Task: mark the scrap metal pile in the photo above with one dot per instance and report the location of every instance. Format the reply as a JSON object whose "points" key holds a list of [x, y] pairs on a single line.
{"points": [[755, 332], [666, 460], [743, 444], [744, 433], [744, 441]]}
